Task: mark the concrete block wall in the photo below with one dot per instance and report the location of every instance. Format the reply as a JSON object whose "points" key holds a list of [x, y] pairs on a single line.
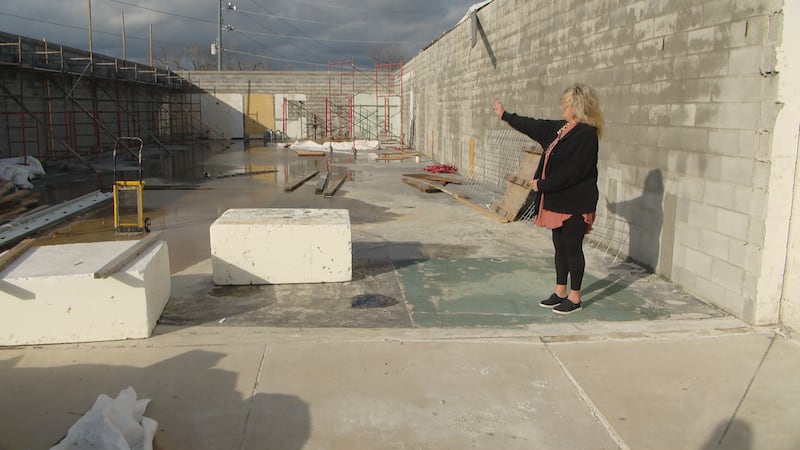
{"points": [[702, 111], [314, 86]]}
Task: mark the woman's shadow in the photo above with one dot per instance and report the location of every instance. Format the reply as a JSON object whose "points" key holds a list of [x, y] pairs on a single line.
{"points": [[644, 216]]}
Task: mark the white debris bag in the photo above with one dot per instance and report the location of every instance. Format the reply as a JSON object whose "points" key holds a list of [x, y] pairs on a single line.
{"points": [[21, 170], [112, 424]]}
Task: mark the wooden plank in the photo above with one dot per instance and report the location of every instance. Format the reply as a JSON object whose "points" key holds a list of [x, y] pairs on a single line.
{"points": [[309, 153], [299, 183], [529, 164], [434, 177], [15, 252], [127, 256], [334, 185], [419, 186], [483, 210], [513, 200], [323, 181], [522, 182], [466, 200]]}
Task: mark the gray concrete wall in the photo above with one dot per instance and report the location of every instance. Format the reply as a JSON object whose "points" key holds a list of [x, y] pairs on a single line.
{"points": [[314, 87], [699, 154]]}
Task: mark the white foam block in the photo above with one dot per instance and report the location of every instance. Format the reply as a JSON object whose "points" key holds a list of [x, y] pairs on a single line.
{"points": [[50, 295], [276, 246]]}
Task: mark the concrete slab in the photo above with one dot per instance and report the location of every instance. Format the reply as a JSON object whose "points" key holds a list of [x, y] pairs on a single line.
{"points": [[668, 394], [50, 294], [768, 416], [426, 395], [281, 245], [200, 396]]}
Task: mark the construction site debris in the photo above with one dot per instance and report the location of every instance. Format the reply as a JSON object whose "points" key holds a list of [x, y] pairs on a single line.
{"points": [[21, 170], [113, 424], [14, 204], [337, 147], [440, 168]]}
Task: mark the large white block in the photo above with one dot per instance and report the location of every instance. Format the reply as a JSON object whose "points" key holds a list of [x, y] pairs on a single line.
{"points": [[276, 246], [49, 294]]}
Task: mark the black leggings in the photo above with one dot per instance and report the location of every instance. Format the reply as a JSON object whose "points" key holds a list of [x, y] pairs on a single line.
{"points": [[568, 242]]}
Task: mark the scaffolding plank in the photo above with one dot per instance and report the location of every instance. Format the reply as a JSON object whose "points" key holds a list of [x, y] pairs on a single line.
{"points": [[28, 224]]}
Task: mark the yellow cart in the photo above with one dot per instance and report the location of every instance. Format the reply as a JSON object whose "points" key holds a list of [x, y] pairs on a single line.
{"points": [[128, 198]]}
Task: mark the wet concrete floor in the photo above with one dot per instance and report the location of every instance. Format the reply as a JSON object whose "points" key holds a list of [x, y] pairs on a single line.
{"points": [[419, 259]]}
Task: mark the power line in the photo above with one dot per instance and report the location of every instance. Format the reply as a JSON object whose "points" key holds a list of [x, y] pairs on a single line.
{"points": [[276, 59], [164, 12], [382, 11], [95, 31], [350, 41], [283, 18]]}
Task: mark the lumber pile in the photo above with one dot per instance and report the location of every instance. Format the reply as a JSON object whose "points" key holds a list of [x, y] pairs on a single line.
{"points": [[519, 188], [14, 203], [425, 182]]}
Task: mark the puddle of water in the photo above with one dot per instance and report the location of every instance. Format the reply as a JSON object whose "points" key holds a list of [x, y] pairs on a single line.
{"points": [[365, 301]]}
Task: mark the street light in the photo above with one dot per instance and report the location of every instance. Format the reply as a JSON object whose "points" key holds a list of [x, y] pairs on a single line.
{"points": [[218, 45]]}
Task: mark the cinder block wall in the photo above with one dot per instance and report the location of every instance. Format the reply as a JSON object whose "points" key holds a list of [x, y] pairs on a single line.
{"points": [[701, 100], [315, 86]]}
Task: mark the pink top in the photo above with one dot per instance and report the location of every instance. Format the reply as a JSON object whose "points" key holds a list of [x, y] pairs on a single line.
{"points": [[551, 219]]}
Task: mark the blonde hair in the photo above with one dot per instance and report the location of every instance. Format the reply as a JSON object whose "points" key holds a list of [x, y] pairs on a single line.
{"points": [[585, 105]]}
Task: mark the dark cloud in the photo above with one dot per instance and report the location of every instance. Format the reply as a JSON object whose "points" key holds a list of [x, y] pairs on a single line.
{"points": [[297, 34]]}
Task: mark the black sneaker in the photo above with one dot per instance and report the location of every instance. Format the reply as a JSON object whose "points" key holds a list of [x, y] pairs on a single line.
{"points": [[567, 307], [552, 301]]}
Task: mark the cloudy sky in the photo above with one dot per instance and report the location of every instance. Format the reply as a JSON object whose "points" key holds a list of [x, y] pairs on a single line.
{"points": [[274, 34]]}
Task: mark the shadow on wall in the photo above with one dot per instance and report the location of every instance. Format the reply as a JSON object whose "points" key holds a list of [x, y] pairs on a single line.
{"points": [[47, 400], [645, 217]]}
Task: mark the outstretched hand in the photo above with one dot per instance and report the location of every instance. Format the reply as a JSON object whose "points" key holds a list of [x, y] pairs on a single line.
{"points": [[498, 108]]}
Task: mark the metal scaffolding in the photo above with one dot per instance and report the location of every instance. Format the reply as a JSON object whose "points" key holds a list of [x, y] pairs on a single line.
{"points": [[62, 103]]}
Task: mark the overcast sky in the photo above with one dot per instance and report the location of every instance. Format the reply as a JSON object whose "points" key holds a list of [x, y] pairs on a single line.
{"points": [[283, 34]]}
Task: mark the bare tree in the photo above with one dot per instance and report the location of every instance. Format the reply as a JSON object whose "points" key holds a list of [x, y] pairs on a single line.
{"points": [[386, 55]]}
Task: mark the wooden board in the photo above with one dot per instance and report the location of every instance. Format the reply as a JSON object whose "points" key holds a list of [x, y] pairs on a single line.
{"points": [[420, 186], [300, 182], [127, 256], [309, 153], [519, 187], [333, 185], [433, 178]]}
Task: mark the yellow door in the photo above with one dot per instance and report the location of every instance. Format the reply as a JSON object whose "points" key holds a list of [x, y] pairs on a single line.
{"points": [[259, 110]]}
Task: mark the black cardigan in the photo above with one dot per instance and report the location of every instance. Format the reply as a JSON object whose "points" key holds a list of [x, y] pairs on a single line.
{"points": [[571, 177]]}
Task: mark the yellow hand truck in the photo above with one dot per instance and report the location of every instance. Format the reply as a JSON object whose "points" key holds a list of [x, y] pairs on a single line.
{"points": [[128, 198]]}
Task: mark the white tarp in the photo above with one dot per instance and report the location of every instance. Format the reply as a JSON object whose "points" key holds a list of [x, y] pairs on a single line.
{"points": [[337, 147], [112, 424], [21, 170]]}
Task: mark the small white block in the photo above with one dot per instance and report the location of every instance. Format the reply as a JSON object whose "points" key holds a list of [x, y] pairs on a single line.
{"points": [[49, 294], [276, 246]]}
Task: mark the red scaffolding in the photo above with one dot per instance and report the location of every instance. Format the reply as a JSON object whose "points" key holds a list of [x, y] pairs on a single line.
{"points": [[339, 103], [389, 100]]}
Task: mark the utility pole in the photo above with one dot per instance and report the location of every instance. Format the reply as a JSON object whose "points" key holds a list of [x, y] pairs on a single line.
{"points": [[218, 44], [219, 38], [91, 57], [124, 52], [150, 42]]}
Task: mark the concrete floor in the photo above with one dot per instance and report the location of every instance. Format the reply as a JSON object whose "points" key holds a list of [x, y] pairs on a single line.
{"points": [[450, 352]]}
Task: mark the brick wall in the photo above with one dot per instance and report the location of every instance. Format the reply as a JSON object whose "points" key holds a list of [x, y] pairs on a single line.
{"points": [[698, 159]]}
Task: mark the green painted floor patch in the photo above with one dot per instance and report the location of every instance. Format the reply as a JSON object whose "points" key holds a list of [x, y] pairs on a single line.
{"points": [[498, 292]]}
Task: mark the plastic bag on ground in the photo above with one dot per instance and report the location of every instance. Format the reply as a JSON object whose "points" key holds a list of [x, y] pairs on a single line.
{"points": [[112, 424]]}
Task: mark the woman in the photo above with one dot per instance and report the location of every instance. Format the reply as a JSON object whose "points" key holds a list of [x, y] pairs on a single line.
{"points": [[566, 181]]}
